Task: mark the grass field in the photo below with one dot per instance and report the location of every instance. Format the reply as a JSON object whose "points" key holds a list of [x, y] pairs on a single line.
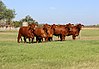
{"points": [[81, 53]]}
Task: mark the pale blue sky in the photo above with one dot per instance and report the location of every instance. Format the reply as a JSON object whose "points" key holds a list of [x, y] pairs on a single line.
{"points": [[57, 11]]}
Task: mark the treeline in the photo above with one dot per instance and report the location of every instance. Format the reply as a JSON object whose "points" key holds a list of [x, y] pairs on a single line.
{"points": [[27, 19], [92, 26], [6, 16]]}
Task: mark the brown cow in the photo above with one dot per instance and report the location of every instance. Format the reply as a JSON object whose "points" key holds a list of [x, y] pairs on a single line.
{"points": [[40, 34], [49, 31], [26, 32], [61, 31], [75, 30]]}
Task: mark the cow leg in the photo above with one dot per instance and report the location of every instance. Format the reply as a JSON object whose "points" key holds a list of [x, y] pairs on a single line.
{"points": [[24, 39], [36, 39], [32, 40], [46, 38], [61, 37], [51, 39], [39, 39], [74, 37], [42, 39], [29, 40], [21, 40]]}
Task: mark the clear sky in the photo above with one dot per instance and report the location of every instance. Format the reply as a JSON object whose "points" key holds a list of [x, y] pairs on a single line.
{"points": [[57, 11]]}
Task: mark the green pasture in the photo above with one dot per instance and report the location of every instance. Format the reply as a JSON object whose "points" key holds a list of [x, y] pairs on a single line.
{"points": [[81, 53]]}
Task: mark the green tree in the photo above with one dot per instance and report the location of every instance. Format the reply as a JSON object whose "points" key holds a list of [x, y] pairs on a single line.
{"points": [[9, 15], [5, 13], [2, 9], [17, 23], [29, 19]]}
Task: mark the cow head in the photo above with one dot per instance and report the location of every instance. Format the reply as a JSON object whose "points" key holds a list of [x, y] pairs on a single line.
{"points": [[69, 26], [32, 26], [79, 26]]}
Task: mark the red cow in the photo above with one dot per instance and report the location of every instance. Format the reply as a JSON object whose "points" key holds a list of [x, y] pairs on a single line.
{"points": [[26, 32], [40, 34], [61, 31], [49, 31], [75, 30]]}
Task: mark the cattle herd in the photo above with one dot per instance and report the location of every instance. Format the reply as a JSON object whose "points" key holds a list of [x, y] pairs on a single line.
{"points": [[47, 31]]}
